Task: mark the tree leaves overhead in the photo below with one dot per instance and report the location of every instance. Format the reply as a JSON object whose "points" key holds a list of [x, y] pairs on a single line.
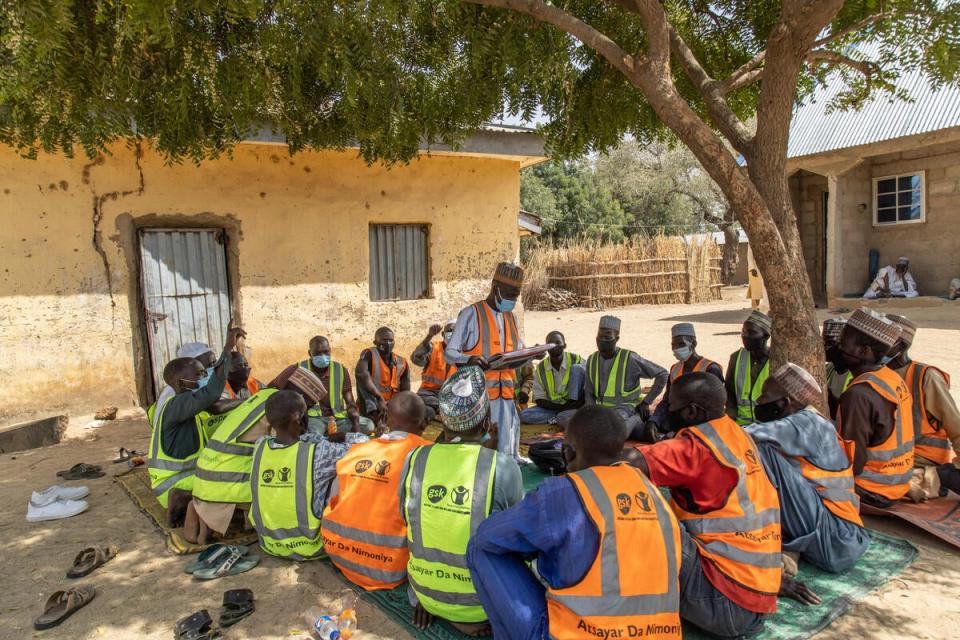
{"points": [[193, 77]]}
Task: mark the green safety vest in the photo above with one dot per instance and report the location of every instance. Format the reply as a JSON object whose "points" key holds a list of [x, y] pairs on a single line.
{"points": [[748, 391], [335, 392], [223, 468], [165, 471], [448, 493], [545, 376], [831, 372], [612, 392], [281, 507]]}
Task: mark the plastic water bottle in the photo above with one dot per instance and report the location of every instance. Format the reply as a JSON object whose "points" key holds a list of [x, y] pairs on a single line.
{"points": [[322, 627], [331, 426], [347, 620]]}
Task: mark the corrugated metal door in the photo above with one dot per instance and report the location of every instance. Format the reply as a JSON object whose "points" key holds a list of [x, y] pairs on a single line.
{"points": [[399, 264], [185, 292]]}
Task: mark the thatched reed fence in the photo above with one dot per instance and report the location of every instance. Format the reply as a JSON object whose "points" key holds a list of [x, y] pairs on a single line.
{"points": [[658, 270]]}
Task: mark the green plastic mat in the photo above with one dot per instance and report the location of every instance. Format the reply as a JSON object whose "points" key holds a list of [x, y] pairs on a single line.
{"points": [[886, 557]]}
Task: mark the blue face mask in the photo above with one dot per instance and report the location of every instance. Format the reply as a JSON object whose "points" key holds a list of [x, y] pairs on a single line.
{"points": [[321, 362], [504, 305], [209, 372], [204, 379]]}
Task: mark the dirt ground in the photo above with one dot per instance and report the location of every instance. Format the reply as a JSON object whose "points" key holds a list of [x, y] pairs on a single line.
{"points": [[143, 591]]}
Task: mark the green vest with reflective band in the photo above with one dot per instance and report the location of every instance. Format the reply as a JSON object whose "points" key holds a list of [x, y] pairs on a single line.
{"points": [[281, 509], [544, 373], [165, 471], [612, 392], [448, 493], [748, 392], [223, 469], [335, 391]]}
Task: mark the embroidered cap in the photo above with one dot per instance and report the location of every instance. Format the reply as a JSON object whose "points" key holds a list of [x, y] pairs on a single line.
{"points": [[798, 383], [463, 399], [509, 273], [610, 322], [903, 260], [300, 379], [760, 319], [833, 327], [908, 328], [682, 329], [875, 325]]}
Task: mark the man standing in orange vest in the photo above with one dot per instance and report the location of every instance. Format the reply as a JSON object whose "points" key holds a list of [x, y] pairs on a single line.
{"points": [[363, 531], [875, 416], [806, 461], [936, 419], [731, 572], [430, 356], [576, 527], [381, 373], [483, 331]]}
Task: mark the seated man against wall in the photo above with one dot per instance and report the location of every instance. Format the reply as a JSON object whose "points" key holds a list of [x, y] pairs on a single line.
{"points": [[448, 489], [557, 384], [602, 513], [291, 471], [339, 404], [430, 356], [893, 282], [381, 373], [363, 532], [240, 384], [178, 435], [936, 420], [807, 463]]}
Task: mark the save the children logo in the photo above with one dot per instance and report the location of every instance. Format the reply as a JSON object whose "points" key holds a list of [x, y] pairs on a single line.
{"points": [[382, 468], [623, 503], [284, 474], [363, 466], [643, 500], [267, 476], [460, 495], [436, 493]]}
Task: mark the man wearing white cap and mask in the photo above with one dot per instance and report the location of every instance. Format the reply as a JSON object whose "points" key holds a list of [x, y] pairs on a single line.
{"points": [[430, 356], [683, 341], [875, 417], [806, 462], [893, 282], [483, 332]]}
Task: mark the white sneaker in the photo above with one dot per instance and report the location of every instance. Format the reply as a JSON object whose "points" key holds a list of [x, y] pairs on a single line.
{"points": [[58, 492], [55, 510], [523, 461]]}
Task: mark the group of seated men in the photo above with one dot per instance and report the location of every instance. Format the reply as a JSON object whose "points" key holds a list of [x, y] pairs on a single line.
{"points": [[755, 474]]}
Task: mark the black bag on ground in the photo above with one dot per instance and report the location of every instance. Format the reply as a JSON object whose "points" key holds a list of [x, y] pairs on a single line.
{"points": [[548, 457]]}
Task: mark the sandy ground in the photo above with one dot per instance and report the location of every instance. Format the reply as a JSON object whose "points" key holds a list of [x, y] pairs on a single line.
{"points": [[143, 591]]}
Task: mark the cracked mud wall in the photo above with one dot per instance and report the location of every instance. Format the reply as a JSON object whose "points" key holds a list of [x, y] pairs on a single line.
{"points": [[70, 335]]}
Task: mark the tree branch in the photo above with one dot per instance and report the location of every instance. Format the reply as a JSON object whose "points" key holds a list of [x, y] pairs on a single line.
{"points": [[824, 56]]}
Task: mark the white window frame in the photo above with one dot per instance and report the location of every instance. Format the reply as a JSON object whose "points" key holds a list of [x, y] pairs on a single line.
{"points": [[923, 198]]}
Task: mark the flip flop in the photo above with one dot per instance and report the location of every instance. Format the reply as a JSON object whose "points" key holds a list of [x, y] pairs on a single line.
{"points": [[209, 556], [196, 626], [237, 605], [90, 559], [81, 471], [62, 604], [228, 564], [125, 454]]}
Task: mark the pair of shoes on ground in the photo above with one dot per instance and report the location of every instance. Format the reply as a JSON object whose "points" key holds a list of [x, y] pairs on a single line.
{"points": [[219, 560], [57, 502], [64, 603], [237, 605], [82, 471]]}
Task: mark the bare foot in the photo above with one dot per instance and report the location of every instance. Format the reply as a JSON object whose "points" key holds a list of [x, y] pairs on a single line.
{"points": [[475, 629], [421, 617]]}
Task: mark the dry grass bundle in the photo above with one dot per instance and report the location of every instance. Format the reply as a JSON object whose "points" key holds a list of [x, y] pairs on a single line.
{"points": [[657, 270]]}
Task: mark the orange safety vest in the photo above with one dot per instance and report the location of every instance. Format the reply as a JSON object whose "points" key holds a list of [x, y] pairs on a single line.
{"points": [[437, 370], [625, 594], [702, 365], [386, 378], [931, 440], [741, 538], [253, 385], [835, 488], [889, 465], [363, 531], [499, 383]]}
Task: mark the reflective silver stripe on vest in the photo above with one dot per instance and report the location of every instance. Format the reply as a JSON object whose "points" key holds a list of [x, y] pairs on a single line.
{"points": [[752, 558], [478, 507], [155, 436], [902, 446], [886, 478], [252, 418], [232, 449], [612, 602], [462, 599], [303, 523], [618, 369], [376, 363], [222, 476], [432, 380], [365, 537], [168, 483], [174, 465], [336, 386], [916, 388], [374, 574], [750, 520], [938, 443]]}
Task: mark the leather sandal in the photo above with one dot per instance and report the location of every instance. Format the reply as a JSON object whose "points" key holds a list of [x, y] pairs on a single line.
{"points": [[196, 626], [237, 605], [63, 604], [90, 559]]}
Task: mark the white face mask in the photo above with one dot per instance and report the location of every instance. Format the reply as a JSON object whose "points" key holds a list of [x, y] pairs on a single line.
{"points": [[682, 353]]}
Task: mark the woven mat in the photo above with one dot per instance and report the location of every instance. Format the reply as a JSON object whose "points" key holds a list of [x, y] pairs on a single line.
{"points": [[136, 484], [940, 516]]}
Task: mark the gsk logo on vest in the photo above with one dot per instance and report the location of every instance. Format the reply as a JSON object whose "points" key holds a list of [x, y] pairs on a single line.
{"points": [[267, 476], [625, 503], [363, 466], [436, 493]]}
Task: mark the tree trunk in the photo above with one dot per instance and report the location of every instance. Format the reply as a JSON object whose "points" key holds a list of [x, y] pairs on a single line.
{"points": [[731, 254]]}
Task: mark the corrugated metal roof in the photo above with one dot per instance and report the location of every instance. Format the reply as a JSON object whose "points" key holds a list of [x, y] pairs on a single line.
{"points": [[814, 131]]}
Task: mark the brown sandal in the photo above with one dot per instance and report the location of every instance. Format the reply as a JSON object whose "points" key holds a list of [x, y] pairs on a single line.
{"points": [[90, 559], [62, 604]]}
